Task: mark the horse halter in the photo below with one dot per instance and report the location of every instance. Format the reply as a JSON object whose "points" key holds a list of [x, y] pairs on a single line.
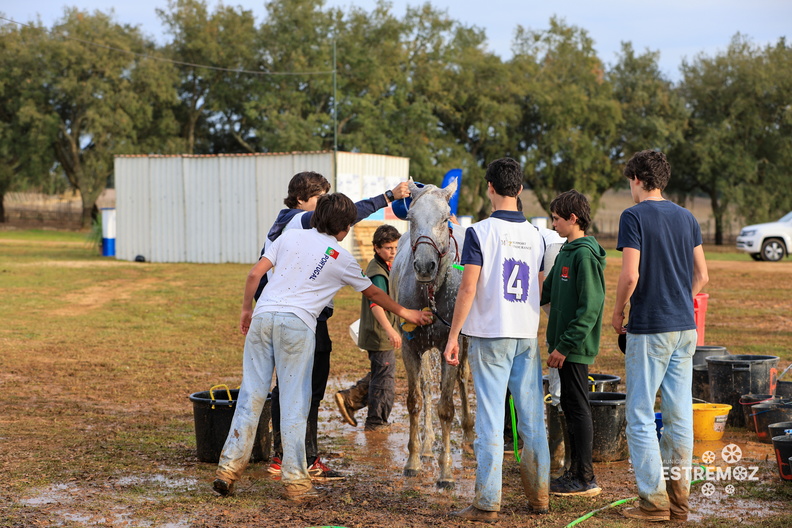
{"points": [[432, 243]]}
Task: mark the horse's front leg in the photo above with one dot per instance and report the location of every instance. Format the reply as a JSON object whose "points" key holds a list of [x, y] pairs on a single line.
{"points": [[412, 365], [427, 379], [463, 378], [445, 411]]}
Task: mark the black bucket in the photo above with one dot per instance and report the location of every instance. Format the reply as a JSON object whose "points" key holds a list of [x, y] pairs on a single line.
{"points": [[603, 382], [701, 386], [784, 390], [610, 419], [765, 414], [777, 429], [732, 376], [705, 351], [782, 445], [747, 401], [213, 422]]}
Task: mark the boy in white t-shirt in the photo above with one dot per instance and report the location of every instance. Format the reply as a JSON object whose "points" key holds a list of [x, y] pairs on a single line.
{"points": [[497, 307], [309, 267]]}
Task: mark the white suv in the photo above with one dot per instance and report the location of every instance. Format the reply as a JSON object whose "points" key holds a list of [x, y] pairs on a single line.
{"points": [[769, 241]]}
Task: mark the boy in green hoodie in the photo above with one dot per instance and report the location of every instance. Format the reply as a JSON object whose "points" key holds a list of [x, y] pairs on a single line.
{"points": [[575, 289]]}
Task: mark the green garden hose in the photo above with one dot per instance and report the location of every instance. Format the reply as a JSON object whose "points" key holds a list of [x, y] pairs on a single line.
{"points": [[514, 428], [617, 503]]}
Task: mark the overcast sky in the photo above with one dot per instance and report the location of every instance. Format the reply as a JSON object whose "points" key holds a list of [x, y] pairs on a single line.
{"points": [[677, 28]]}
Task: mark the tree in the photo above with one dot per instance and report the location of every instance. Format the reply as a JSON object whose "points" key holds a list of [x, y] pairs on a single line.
{"points": [[472, 97], [654, 115], [569, 118], [736, 149], [25, 132], [215, 111], [105, 99]]}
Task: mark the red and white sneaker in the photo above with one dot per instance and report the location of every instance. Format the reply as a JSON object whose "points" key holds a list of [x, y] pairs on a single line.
{"points": [[319, 471], [275, 466]]}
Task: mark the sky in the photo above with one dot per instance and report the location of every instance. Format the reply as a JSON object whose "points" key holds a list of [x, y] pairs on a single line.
{"points": [[678, 29]]}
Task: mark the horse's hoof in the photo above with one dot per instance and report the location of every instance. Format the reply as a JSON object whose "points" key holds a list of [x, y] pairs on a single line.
{"points": [[410, 472], [427, 459], [446, 484]]}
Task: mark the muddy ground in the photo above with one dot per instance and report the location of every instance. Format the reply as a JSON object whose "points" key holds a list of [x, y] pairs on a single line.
{"points": [[376, 494], [99, 356]]}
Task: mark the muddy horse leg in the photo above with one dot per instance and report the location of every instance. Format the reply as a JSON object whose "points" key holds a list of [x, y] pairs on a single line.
{"points": [[463, 378], [445, 411], [427, 380], [412, 365]]}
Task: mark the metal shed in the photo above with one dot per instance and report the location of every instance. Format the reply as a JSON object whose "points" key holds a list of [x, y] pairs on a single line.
{"points": [[214, 209]]}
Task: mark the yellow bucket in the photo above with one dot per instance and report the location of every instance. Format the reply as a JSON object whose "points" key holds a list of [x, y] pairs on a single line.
{"points": [[709, 420]]}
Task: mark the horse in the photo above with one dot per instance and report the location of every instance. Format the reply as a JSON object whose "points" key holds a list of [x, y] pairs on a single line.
{"points": [[424, 276]]}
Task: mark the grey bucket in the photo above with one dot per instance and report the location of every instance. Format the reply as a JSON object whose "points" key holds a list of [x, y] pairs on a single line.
{"points": [[610, 420], [732, 376]]}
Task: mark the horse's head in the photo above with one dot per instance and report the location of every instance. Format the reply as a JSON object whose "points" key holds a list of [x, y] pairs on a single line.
{"points": [[429, 235]]}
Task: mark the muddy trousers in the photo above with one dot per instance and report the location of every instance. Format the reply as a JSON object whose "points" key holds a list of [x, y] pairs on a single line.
{"points": [[275, 340], [319, 375], [661, 362], [577, 414], [376, 390], [497, 364]]}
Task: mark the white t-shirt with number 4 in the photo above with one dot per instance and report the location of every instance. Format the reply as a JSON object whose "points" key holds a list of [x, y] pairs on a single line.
{"points": [[507, 294]]}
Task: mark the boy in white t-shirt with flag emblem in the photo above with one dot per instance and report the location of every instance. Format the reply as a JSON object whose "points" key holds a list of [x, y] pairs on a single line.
{"points": [[309, 267]]}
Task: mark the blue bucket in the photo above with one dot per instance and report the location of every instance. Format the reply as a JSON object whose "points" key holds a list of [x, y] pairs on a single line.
{"points": [[402, 205], [659, 424]]}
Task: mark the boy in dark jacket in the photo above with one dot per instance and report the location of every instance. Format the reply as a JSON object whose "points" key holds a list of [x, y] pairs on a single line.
{"points": [[575, 289], [379, 336]]}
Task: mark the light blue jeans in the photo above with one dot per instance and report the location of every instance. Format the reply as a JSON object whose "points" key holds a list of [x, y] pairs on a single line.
{"points": [[282, 340], [661, 362], [497, 364]]}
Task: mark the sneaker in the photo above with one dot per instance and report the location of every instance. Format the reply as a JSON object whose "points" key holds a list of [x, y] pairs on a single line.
{"points": [[301, 493], [575, 487], [566, 477], [638, 513], [471, 513], [376, 427], [222, 487], [318, 471], [275, 466], [346, 410]]}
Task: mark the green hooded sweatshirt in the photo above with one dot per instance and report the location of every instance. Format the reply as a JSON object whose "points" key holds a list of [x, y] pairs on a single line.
{"points": [[575, 289]]}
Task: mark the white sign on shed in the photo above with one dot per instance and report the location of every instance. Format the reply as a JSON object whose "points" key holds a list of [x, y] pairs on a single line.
{"points": [[215, 209]]}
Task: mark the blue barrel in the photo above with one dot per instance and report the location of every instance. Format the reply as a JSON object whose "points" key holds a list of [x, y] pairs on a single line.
{"points": [[108, 231]]}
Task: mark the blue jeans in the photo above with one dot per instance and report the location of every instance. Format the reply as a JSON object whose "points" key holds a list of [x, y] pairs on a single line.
{"points": [[661, 362], [282, 340], [497, 364]]}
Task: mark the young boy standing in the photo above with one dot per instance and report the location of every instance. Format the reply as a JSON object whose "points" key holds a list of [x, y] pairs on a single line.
{"points": [[663, 268], [497, 307], [308, 268], [304, 190], [379, 336], [575, 289]]}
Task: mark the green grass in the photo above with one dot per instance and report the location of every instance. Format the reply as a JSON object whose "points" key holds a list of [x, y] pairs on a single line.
{"points": [[99, 356]]}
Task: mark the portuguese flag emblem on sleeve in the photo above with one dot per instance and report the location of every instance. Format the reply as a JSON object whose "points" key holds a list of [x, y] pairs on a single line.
{"points": [[332, 252]]}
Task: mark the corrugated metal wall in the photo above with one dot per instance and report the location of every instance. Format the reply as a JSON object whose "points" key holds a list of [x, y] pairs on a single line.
{"points": [[215, 209]]}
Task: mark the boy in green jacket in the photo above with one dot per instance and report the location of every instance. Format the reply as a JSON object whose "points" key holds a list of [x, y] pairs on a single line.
{"points": [[575, 289]]}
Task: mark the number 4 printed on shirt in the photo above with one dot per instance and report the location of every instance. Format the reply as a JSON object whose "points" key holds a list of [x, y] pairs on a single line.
{"points": [[515, 280]]}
